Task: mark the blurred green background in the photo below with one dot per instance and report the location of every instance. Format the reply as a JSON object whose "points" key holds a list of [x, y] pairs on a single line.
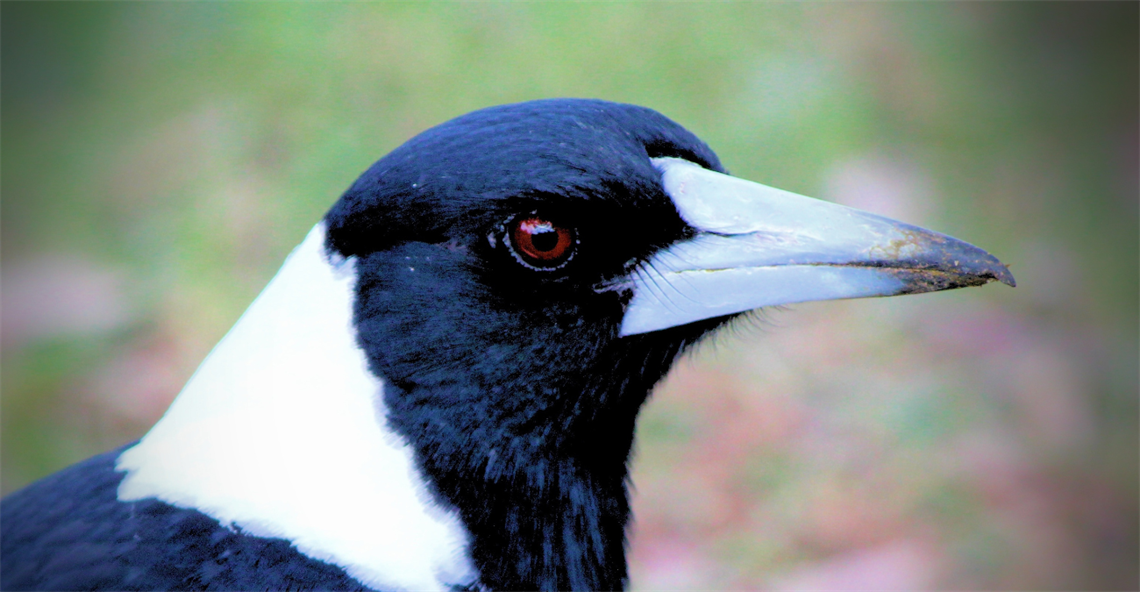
{"points": [[160, 160]]}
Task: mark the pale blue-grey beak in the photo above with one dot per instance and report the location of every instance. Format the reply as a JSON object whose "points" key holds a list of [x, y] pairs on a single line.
{"points": [[758, 246]]}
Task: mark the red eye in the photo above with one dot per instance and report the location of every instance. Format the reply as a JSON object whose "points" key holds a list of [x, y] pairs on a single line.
{"points": [[540, 243]]}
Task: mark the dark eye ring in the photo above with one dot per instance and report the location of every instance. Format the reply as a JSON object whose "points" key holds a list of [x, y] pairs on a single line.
{"points": [[539, 243]]}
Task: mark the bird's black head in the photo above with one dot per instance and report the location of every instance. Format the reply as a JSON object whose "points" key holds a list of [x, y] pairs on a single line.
{"points": [[491, 253], [527, 273]]}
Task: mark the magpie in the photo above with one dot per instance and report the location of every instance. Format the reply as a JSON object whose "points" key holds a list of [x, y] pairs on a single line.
{"points": [[438, 389]]}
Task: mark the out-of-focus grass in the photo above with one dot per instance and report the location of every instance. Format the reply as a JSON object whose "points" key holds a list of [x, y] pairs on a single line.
{"points": [[161, 159]]}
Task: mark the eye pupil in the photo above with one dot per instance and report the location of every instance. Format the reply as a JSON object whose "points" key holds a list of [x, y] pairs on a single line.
{"points": [[538, 242], [545, 239]]}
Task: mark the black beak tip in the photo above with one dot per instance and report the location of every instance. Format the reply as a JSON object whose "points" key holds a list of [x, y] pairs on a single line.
{"points": [[959, 266], [1004, 275], [989, 268], [975, 266], [983, 272]]}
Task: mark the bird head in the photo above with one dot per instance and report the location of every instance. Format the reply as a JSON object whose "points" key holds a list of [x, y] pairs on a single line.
{"points": [[526, 273]]}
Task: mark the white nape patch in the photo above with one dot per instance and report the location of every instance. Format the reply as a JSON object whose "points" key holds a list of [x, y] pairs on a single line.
{"points": [[282, 432]]}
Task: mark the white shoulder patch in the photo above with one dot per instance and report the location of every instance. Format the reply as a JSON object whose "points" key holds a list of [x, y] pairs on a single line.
{"points": [[282, 432]]}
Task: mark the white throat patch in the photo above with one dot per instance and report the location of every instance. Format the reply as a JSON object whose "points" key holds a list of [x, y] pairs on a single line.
{"points": [[282, 432]]}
